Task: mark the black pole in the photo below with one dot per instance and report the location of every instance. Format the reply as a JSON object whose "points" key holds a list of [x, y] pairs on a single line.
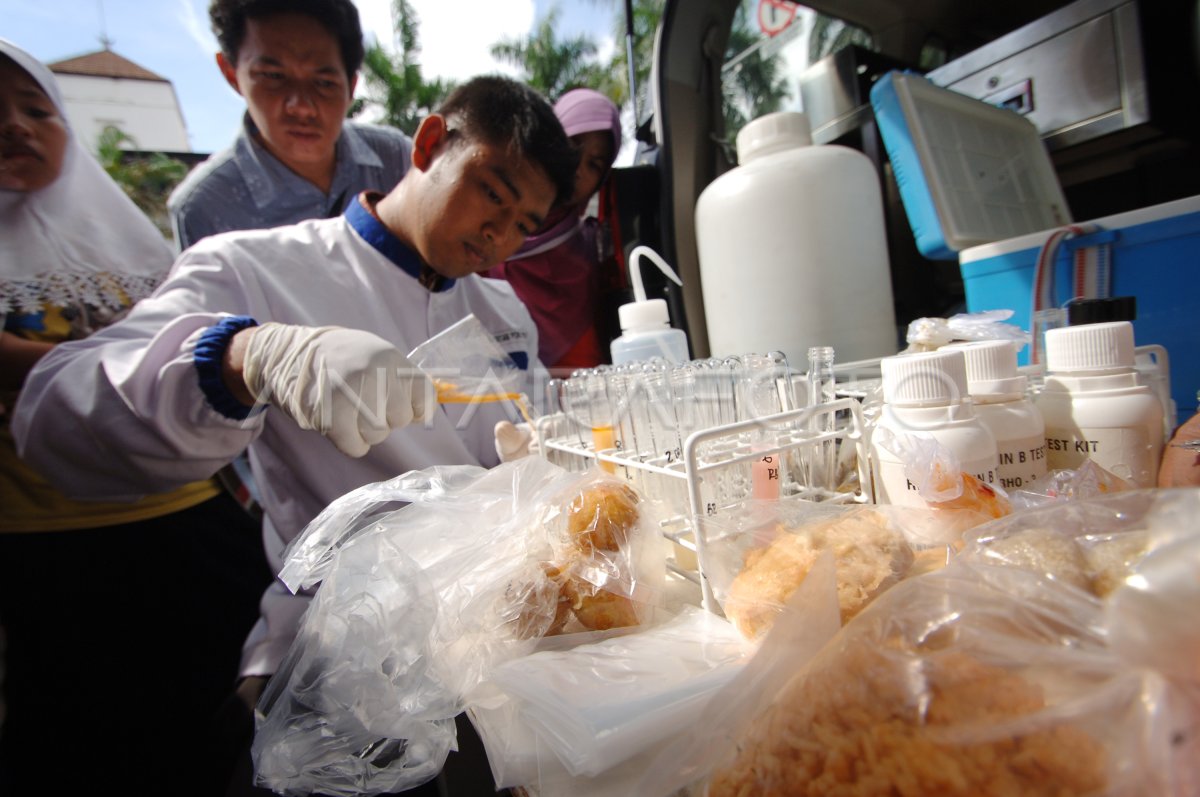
{"points": [[629, 60]]}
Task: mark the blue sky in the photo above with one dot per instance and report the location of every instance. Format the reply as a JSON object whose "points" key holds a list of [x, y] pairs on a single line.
{"points": [[172, 39]]}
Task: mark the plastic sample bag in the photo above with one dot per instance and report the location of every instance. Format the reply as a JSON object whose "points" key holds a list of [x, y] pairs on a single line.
{"points": [[973, 680], [597, 705], [1093, 544], [1089, 480], [760, 552], [928, 334], [467, 365], [416, 606]]}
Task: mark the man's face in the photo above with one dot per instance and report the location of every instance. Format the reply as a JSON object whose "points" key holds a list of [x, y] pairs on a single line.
{"points": [[290, 72], [479, 203], [33, 135]]}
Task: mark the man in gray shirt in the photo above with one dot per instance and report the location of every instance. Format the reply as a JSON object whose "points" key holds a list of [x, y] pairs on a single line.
{"points": [[295, 62]]}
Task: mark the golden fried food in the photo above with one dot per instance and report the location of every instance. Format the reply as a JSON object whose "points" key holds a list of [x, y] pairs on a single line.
{"points": [[598, 609], [869, 556], [865, 721], [602, 516]]}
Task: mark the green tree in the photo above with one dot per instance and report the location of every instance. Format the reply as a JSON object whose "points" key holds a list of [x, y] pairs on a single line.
{"points": [[753, 86], [394, 84], [646, 16], [552, 65], [828, 35], [146, 179]]}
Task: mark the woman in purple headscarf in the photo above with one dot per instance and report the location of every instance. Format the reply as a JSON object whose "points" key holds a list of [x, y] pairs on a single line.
{"points": [[555, 272]]}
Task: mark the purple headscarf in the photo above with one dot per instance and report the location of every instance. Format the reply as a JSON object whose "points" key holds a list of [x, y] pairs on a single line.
{"points": [[586, 111]]}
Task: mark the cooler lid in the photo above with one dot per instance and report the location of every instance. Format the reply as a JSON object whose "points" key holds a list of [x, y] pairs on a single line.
{"points": [[1178, 210], [969, 172]]}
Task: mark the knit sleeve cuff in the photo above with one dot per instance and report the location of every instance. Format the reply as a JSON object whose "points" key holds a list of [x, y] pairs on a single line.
{"points": [[207, 357]]}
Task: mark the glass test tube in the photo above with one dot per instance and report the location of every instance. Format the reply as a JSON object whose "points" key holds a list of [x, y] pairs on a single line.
{"points": [[601, 409], [663, 412], [622, 387], [822, 456], [760, 396], [555, 404]]}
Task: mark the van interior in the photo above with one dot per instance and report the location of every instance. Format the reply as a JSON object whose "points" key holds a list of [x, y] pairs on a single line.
{"points": [[1110, 84]]}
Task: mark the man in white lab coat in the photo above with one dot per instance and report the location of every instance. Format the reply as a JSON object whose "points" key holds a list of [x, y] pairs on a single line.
{"points": [[290, 341]]}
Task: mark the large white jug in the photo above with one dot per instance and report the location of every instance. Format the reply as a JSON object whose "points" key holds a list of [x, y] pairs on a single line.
{"points": [[792, 248]]}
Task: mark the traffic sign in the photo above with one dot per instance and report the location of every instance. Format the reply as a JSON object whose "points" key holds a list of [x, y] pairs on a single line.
{"points": [[775, 15]]}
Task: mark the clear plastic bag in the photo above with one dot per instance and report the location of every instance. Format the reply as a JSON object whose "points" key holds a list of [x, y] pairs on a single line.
{"points": [[973, 680], [939, 479], [417, 605], [1088, 481], [1151, 621], [1091, 543], [595, 706], [759, 553], [467, 366], [927, 334]]}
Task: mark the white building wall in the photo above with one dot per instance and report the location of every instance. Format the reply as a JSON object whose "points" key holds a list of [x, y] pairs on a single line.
{"points": [[146, 110]]}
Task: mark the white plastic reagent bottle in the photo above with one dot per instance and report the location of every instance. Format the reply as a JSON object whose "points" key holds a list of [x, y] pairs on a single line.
{"points": [[1094, 407], [998, 392], [925, 398]]}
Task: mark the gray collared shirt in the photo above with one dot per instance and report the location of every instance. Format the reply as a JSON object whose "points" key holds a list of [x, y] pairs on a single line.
{"points": [[245, 187]]}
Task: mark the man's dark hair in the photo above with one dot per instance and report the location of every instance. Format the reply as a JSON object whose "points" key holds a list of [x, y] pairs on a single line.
{"points": [[509, 114], [339, 17]]}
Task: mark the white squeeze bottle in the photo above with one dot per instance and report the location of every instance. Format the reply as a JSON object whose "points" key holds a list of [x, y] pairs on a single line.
{"points": [[998, 391], [1094, 407], [925, 397], [645, 323]]}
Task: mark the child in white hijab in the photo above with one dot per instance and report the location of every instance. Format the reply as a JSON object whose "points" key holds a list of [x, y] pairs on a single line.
{"points": [[123, 622]]}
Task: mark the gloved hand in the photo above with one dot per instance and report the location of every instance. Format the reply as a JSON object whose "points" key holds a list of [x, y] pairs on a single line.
{"points": [[515, 441], [351, 386]]}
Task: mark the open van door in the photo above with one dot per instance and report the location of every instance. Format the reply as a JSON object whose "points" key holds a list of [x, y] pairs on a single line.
{"points": [[1109, 84]]}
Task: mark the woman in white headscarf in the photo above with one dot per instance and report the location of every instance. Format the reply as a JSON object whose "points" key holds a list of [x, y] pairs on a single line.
{"points": [[123, 621], [72, 239]]}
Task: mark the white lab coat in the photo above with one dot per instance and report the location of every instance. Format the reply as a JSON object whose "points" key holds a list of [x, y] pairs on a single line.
{"points": [[121, 413]]}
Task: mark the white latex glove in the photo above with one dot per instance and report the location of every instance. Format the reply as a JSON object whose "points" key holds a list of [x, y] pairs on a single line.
{"points": [[515, 441], [351, 386]]}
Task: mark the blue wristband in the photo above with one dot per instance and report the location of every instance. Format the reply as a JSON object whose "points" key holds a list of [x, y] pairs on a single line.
{"points": [[207, 357]]}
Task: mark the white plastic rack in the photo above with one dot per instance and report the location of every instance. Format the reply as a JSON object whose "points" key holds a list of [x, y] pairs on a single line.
{"points": [[812, 454]]}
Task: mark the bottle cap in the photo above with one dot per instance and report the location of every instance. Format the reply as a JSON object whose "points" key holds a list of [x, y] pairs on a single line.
{"points": [[1094, 311], [1090, 347], [772, 133], [925, 378], [644, 313], [991, 367], [650, 313]]}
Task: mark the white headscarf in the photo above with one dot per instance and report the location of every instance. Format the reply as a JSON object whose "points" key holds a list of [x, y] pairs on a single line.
{"points": [[79, 239]]}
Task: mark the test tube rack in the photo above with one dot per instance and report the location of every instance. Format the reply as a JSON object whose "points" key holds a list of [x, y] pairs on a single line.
{"points": [[718, 467]]}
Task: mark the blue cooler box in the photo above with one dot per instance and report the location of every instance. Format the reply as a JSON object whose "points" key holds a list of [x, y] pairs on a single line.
{"points": [[1155, 258]]}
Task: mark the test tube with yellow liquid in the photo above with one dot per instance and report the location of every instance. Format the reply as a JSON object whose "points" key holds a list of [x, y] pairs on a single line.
{"points": [[587, 404], [603, 439]]}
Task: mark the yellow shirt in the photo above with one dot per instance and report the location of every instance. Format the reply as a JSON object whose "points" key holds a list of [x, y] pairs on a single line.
{"points": [[29, 503]]}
